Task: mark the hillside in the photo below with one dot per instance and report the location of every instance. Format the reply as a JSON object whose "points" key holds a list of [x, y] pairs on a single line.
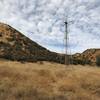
{"points": [[15, 46], [87, 57], [48, 81]]}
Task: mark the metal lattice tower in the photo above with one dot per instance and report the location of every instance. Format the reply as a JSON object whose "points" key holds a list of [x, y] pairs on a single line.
{"points": [[67, 61]]}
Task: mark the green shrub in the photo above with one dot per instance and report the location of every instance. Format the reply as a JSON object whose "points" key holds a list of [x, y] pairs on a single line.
{"points": [[98, 60]]}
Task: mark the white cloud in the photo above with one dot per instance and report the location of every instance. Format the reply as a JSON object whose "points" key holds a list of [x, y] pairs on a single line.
{"points": [[43, 21]]}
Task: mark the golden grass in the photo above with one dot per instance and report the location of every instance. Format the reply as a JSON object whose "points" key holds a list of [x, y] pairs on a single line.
{"points": [[48, 81]]}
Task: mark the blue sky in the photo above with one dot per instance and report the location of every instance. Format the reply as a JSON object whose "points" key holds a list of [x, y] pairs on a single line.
{"points": [[43, 22]]}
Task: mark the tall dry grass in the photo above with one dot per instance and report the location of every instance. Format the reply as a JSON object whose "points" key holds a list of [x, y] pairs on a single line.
{"points": [[48, 81]]}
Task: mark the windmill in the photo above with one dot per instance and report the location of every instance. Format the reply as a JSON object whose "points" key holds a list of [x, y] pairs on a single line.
{"points": [[68, 58], [66, 44]]}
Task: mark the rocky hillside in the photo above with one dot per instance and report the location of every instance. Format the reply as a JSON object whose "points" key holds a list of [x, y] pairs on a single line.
{"points": [[90, 56], [15, 46]]}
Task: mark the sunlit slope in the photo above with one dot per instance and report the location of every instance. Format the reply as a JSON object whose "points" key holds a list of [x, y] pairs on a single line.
{"points": [[14, 45]]}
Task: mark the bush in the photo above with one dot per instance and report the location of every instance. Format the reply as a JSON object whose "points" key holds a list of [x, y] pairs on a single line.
{"points": [[98, 60]]}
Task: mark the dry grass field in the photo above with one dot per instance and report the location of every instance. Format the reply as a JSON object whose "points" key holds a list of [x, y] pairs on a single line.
{"points": [[48, 81]]}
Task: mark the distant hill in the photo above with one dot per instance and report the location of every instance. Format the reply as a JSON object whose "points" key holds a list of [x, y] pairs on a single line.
{"points": [[90, 56], [15, 46]]}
